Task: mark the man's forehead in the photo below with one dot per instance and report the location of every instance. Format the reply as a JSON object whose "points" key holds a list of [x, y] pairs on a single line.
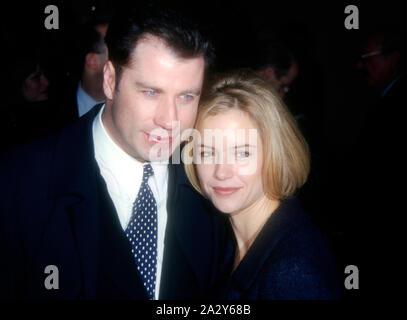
{"points": [[373, 42], [150, 40], [149, 43]]}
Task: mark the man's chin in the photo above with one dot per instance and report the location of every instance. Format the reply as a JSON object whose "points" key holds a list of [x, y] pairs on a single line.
{"points": [[160, 153], [372, 83]]}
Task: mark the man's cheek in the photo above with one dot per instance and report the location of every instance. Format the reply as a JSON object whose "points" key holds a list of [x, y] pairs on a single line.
{"points": [[189, 122]]}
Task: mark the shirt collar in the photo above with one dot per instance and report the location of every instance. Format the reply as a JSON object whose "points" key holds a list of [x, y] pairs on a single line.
{"points": [[83, 96], [85, 101]]}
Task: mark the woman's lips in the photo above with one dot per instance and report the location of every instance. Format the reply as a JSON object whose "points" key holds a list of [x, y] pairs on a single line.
{"points": [[225, 191]]}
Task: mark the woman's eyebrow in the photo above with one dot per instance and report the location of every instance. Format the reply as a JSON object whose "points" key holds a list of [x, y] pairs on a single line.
{"points": [[246, 146], [205, 146]]}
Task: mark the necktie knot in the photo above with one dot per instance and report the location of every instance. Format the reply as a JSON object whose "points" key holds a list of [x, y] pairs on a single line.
{"points": [[147, 172]]}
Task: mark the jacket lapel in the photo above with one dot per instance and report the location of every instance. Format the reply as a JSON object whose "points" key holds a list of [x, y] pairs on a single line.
{"points": [[73, 186], [119, 278], [192, 228]]}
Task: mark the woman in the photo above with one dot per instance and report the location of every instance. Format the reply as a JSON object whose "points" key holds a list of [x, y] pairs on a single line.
{"points": [[248, 159], [28, 112]]}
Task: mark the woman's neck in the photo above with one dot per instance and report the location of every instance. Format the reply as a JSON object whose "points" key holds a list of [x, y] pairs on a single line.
{"points": [[247, 224]]}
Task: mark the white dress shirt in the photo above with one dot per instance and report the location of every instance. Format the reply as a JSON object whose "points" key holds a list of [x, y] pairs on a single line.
{"points": [[85, 102], [123, 176]]}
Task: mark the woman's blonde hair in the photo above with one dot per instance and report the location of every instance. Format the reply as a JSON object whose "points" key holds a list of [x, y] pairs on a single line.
{"points": [[286, 161]]}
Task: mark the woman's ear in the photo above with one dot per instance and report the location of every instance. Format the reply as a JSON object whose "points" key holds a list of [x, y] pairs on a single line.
{"points": [[109, 80]]}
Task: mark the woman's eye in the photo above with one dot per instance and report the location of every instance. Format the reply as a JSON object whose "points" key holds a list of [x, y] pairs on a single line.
{"points": [[243, 154], [206, 154]]}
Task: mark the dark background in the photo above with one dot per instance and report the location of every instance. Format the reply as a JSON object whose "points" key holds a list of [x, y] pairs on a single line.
{"points": [[329, 89]]}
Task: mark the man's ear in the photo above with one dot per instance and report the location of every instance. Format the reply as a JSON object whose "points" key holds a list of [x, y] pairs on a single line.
{"points": [[394, 59], [109, 80], [92, 60], [268, 74]]}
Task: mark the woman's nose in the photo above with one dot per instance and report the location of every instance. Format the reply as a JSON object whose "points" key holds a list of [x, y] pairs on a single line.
{"points": [[223, 171]]}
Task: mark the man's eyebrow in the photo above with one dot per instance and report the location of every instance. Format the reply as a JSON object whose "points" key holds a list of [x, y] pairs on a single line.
{"points": [[196, 92], [147, 86]]}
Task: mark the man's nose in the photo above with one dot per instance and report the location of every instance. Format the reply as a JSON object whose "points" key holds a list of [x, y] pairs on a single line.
{"points": [[359, 64], [166, 113], [44, 81]]}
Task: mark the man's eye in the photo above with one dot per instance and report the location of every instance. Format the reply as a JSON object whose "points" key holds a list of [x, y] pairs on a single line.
{"points": [[36, 76], [187, 97], [150, 93]]}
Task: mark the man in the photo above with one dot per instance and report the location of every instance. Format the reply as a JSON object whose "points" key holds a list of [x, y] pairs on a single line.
{"points": [[378, 165], [90, 89], [87, 87], [381, 62], [89, 202], [277, 65]]}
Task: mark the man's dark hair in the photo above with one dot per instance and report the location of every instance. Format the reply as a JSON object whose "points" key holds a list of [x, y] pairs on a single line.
{"points": [[183, 36], [276, 55], [92, 39], [88, 40], [391, 43], [393, 40]]}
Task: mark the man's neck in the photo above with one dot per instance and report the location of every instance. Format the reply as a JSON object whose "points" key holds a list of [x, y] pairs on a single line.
{"points": [[390, 84], [93, 87]]}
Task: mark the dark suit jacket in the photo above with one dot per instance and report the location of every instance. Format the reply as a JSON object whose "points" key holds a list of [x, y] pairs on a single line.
{"points": [[55, 210], [378, 172], [288, 260], [69, 104]]}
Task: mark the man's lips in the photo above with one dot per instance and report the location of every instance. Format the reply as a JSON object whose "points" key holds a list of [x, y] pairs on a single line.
{"points": [[159, 139], [225, 191]]}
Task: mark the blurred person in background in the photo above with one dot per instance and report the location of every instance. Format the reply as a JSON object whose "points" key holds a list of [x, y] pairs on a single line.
{"points": [[381, 64], [28, 112], [85, 89], [377, 161], [276, 64]]}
